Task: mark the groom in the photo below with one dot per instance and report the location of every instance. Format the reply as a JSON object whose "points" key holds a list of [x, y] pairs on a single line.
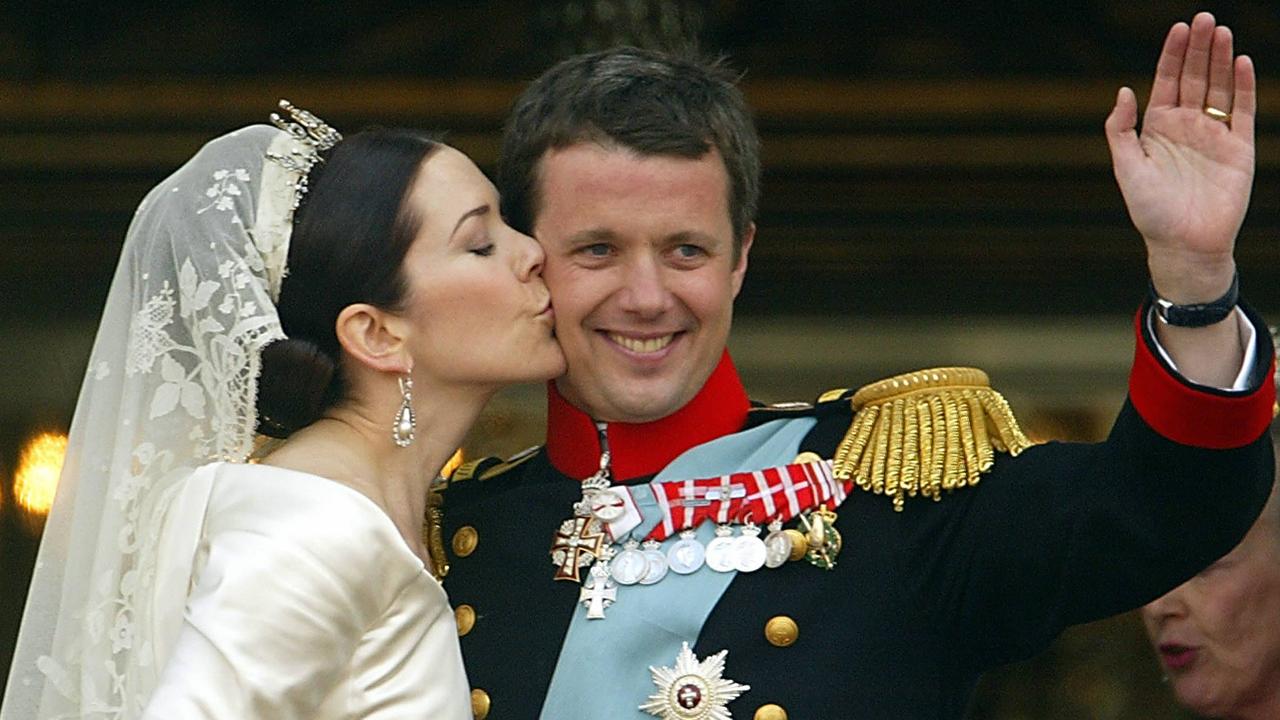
{"points": [[647, 590]]}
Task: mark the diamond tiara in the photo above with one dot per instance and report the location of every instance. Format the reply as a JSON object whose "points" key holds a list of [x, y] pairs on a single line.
{"points": [[313, 134]]}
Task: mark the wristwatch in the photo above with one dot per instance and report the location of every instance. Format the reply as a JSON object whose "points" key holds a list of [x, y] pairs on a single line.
{"points": [[1198, 315]]}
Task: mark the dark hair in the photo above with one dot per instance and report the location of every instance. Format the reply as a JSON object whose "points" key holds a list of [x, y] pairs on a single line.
{"points": [[650, 102], [349, 241]]}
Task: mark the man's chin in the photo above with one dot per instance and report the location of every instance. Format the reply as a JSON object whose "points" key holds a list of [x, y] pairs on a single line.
{"points": [[631, 406]]}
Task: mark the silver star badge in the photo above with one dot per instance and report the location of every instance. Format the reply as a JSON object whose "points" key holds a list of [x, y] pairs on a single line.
{"points": [[693, 689]]}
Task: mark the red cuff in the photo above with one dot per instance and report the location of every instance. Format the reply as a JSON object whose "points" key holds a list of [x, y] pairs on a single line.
{"points": [[1190, 415]]}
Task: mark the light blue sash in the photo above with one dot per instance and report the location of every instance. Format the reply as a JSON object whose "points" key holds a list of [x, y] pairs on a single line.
{"points": [[603, 670]]}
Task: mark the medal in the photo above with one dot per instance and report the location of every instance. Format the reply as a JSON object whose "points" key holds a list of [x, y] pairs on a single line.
{"points": [[749, 551], [577, 543], [777, 546], [693, 689], [720, 551], [606, 505], [629, 566], [687, 555], [656, 562], [598, 592], [824, 540], [580, 540]]}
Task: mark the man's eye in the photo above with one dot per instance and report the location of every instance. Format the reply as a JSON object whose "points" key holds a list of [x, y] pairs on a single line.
{"points": [[596, 250], [690, 251]]}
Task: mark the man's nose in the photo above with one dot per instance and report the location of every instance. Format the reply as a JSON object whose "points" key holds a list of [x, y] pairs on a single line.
{"points": [[645, 291]]}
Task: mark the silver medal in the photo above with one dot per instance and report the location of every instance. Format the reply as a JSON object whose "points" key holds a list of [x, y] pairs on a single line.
{"points": [[687, 555], [749, 551], [720, 551], [630, 565], [777, 546], [657, 563]]}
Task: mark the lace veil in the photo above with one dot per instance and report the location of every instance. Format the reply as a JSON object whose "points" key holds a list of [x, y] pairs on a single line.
{"points": [[171, 385]]}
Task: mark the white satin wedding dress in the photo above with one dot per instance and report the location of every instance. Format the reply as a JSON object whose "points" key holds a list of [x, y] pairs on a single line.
{"points": [[302, 601]]}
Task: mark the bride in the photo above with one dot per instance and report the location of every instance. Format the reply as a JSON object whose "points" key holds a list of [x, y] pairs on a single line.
{"points": [[174, 579]]}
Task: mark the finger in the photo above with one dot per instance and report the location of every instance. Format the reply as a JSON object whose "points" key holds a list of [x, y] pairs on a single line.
{"points": [[1164, 90], [1195, 66], [1246, 98], [1221, 70], [1122, 135]]}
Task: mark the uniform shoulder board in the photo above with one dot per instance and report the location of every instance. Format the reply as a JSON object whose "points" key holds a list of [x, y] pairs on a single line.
{"points": [[491, 466], [760, 413], [924, 432], [833, 396]]}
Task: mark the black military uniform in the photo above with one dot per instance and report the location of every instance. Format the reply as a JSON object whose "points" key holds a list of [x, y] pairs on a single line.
{"points": [[921, 601]]}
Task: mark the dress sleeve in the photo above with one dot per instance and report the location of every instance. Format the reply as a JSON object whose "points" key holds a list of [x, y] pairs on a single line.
{"points": [[275, 612], [1069, 533]]}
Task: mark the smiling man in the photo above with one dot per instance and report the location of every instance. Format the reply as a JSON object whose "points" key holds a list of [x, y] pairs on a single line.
{"points": [[675, 552], [646, 266]]}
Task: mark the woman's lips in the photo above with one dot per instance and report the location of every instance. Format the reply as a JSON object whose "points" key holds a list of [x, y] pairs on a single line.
{"points": [[1177, 657]]}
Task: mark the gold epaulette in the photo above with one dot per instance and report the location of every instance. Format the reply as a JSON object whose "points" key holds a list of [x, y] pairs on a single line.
{"points": [[924, 432]]}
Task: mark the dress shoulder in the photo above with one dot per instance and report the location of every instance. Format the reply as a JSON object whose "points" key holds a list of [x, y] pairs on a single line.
{"points": [[291, 572], [289, 514]]}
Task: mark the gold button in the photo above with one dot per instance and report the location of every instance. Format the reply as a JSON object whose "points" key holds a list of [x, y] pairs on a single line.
{"points": [[770, 712], [781, 631], [466, 617], [479, 704], [465, 541], [799, 543], [806, 457]]}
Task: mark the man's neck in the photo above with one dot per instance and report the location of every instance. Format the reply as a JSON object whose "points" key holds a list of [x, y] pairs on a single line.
{"points": [[642, 449]]}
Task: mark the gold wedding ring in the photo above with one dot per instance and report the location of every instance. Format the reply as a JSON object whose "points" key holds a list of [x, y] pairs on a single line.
{"points": [[1217, 114]]}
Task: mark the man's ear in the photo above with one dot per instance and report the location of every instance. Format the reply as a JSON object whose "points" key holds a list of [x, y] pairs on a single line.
{"points": [[374, 338], [740, 269]]}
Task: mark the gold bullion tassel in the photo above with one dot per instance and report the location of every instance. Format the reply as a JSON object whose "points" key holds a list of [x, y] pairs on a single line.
{"points": [[926, 431], [433, 534]]}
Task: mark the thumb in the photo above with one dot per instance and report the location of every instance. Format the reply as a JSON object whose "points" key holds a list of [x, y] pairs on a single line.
{"points": [[1122, 134]]}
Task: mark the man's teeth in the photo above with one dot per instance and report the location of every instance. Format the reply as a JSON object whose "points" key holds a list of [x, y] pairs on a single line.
{"points": [[642, 346]]}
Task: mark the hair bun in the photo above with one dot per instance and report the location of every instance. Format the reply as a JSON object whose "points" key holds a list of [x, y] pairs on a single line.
{"points": [[295, 386]]}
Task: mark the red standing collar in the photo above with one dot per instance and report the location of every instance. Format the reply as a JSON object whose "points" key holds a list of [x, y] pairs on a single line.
{"points": [[639, 449]]}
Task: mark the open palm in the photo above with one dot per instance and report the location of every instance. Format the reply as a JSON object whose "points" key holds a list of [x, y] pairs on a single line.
{"points": [[1186, 178]]}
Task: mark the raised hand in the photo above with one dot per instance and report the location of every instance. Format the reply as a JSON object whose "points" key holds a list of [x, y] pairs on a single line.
{"points": [[1186, 178]]}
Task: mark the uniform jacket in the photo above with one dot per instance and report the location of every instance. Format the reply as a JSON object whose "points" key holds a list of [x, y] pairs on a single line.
{"points": [[921, 601]]}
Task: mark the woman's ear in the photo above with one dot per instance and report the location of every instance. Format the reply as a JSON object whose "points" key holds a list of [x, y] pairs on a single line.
{"points": [[374, 338]]}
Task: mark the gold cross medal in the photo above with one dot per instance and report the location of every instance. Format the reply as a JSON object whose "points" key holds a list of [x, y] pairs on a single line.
{"points": [[577, 544], [582, 539], [693, 689]]}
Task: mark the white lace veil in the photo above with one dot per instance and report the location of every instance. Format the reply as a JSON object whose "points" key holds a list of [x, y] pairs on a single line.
{"points": [[171, 385]]}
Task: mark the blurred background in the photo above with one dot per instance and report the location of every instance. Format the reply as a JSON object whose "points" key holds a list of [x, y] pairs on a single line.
{"points": [[937, 191]]}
